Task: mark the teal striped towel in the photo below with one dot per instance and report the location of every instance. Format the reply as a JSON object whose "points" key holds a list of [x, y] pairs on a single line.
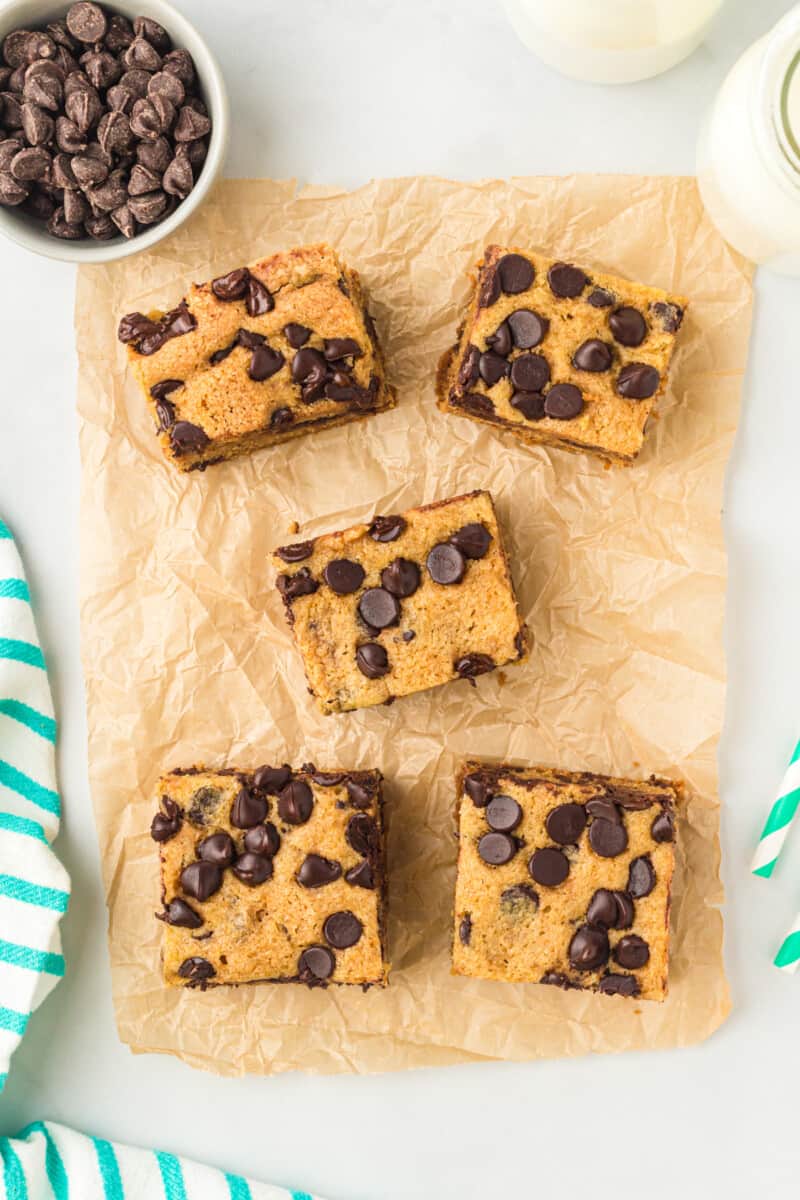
{"points": [[48, 1160], [34, 887]]}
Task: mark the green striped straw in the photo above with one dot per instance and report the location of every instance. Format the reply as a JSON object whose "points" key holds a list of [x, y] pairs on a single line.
{"points": [[780, 818], [788, 957]]}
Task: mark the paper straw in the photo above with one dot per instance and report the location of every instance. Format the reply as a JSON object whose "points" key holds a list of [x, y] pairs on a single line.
{"points": [[788, 957], [780, 818]]}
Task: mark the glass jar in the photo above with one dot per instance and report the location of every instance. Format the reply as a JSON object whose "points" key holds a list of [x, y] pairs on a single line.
{"points": [[748, 157], [612, 41]]}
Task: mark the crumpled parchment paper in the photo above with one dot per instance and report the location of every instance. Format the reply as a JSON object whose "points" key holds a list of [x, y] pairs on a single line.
{"points": [[621, 576]]}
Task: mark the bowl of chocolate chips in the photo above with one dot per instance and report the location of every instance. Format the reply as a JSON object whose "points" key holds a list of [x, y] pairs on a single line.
{"points": [[113, 126]]}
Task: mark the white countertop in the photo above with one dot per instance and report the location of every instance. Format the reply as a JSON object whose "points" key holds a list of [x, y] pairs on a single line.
{"points": [[336, 93]]}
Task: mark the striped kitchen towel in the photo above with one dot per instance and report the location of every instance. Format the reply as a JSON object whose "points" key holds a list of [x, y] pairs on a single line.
{"points": [[34, 887], [50, 1162]]}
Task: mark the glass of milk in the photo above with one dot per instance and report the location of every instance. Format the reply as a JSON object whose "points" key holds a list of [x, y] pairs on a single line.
{"points": [[748, 156], [612, 41]]}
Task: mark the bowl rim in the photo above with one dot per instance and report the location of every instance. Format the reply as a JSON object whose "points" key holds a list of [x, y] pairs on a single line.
{"points": [[28, 234]]}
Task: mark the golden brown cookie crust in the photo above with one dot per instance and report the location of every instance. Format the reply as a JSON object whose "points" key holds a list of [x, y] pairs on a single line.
{"points": [[510, 926], [609, 424], [475, 621], [259, 933], [310, 286]]}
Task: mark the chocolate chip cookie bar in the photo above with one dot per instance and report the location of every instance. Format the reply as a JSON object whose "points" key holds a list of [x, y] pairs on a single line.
{"points": [[258, 355], [272, 875], [564, 878], [405, 603], [557, 354]]}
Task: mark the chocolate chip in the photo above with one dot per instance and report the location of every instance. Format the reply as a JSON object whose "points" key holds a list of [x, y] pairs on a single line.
{"points": [[641, 877], [316, 871], [271, 779], [469, 370], [309, 366], [142, 179], [180, 63], [638, 381], [258, 299], [86, 21], [168, 86], [218, 849], [248, 809], [477, 789], [500, 341], [527, 328], [619, 985], [253, 869], [610, 910], [628, 326], [600, 298], [519, 899], [60, 227], [387, 529], [566, 823], [401, 577], [472, 540], [40, 205], [315, 964], [179, 913], [336, 348], [184, 437], [299, 584], [296, 552], [295, 802], [563, 402], [548, 866], [465, 929], [196, 970], [497, 848], [263, 839], [119, 34], [663, 827], [342, 930], [592, 355], [38, 126], [46, 90], [516, 274], [156, 34], [471, 665], [343, 576], [588, 948], [631, 952], [379, 608], [135, 82], [232, 286], [530, 404], [669, 316], [156, 155], [167, 823], [31, 164], [566, 281], [362, 835], [492, 367], [530, 372], [201, 880], [101, 68], [264, 363], [503, 814], [360, 794], [90, 171], [607, 838], [372, 660], [446, 564], [140, 55], [190, 124], [361, 876], [15, 46]]}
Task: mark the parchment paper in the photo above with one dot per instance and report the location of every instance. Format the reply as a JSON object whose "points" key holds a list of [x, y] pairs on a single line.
{"points": [[621, 575]]}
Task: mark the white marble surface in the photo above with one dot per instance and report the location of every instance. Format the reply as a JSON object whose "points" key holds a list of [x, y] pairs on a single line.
{"points": [[337, 93]]}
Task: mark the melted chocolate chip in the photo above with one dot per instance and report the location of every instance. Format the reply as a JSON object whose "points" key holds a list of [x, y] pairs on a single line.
{"points": [[379, 608], [296, 335], [300, 584], [205, 802], [603, 806], [258, 299], [566, 823], [253, 869], [196, 970], [167, 823], [272, 779], [343, 576], [179, 913], [528, 329], [669, 316], [588, 948], [217, 849], [296, 552], [610, 910], [519, 899], [361, 876], [201, 880], [362, 835], [232, 286], [497, 848], [342, 930], [492, 368], [264, 363], [472, 540], [530, 372], [445, 564], [186, 438], [315, 964], [563, 402], [503, 814], [631, 952], [295, 802], [465, 929], [607, 838], [628, 326], [469, 370], [566, 281], [477, 404], [336, 348], [592, 355], [316, 871], [500, 340], [641, 877], [372, 660], [516, 274], [477, 789], [548, 867], [663, 827], [163, 388], [530, 404], [489, 287], [387, 529], [619, 985], [471, 665], [600, 298], [248, 809], [401, 577], [263, 839], [638, 381], [360, 794]]}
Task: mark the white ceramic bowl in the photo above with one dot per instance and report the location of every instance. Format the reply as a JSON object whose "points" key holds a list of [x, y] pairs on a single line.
{"points": [[32, 234]]}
